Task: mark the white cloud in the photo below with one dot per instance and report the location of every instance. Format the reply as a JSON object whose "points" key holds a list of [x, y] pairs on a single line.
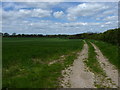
{"points": [[24, 13], [71, 17], [58, 14], [49, 27], [108, 12], [102, 25], [108, 23], [111, 18], [41, 13], [17, 6], [75, 24], [85, 9], [19, 19]]}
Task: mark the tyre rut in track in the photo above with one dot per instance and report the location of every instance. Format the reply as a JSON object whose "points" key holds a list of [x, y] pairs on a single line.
{"points": [[78, 75]]}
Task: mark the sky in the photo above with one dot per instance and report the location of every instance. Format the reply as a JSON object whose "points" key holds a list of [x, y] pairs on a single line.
{"points": [[58, 17]]}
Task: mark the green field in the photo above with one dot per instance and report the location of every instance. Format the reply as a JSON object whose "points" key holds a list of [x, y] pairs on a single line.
{"points": [[25, 61]]}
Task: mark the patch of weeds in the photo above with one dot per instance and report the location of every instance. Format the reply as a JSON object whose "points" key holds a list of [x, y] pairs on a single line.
{"points": [[110, 51], [69, 59], [92, 61]]}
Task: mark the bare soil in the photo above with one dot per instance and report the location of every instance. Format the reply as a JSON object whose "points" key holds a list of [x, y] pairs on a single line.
{"points": [[78, 75], [110, 69]]}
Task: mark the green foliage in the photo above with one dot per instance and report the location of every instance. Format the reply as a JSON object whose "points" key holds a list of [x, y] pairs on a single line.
{"points": [[25, 61], [110, 36]]}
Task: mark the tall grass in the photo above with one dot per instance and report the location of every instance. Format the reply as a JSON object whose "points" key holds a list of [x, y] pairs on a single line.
{"points": [[25, 61], [92, 61]]}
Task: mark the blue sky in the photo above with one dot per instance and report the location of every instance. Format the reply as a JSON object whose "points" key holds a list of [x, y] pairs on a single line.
{"points": [[58, 17]]}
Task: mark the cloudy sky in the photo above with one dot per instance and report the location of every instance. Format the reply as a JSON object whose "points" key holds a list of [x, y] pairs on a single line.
{"points": [[58, 17]]}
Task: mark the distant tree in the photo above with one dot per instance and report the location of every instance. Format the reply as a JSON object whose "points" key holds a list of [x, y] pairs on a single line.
{"points": [[40, 35], [1, 34], [23, 35], [13, 34], [5, 34], [19, 35], [110, 36]]}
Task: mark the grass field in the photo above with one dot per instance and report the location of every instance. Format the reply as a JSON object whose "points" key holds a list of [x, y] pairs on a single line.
{"points": [[25, 61], [110, 51]]}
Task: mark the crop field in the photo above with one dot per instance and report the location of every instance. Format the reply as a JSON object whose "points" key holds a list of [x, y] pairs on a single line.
{"points": [[26, 61], [32, 62]]}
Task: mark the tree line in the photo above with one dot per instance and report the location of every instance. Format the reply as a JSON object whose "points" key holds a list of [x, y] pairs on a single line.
{"points": [[110, 36]]}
